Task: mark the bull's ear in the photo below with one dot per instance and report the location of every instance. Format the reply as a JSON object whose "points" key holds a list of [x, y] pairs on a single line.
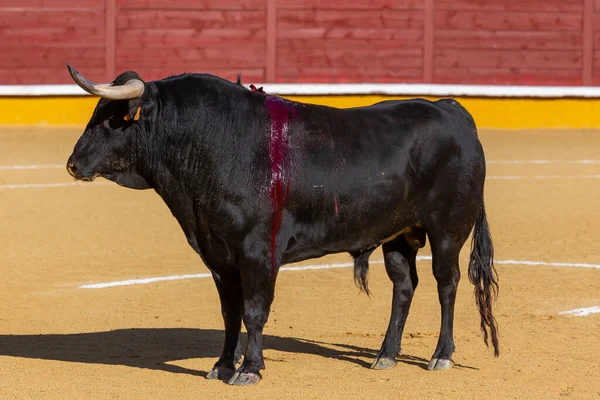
{"points": [[135, 117], [139, 107]]}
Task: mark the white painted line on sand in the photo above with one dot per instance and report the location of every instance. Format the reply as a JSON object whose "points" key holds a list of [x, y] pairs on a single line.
{"points": [[582, 312], [200, 276], [41, 166], [546, 264], [316, 267], [514, 177], [543, 162], [144, 281], [50, 185]]}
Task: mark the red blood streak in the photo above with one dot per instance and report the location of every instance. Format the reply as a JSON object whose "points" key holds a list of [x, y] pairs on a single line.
{"points": [[337, 209], [279, 157], [254, 89]]}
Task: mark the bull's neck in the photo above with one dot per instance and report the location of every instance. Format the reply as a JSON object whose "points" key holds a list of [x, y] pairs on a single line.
{"points": [[190, 147]]}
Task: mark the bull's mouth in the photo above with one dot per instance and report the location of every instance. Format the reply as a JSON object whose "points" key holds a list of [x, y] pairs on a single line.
{"points": [[76, 173], [88, 178]]}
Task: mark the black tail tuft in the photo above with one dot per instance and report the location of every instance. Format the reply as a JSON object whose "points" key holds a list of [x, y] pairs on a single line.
{"points": [[482, 274], [361, 270]]}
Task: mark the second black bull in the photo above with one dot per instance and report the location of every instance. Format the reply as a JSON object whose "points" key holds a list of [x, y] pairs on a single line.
{"points": [[256, 181]]}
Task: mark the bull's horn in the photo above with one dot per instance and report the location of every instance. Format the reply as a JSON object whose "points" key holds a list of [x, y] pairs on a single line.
{"points": [[132, 89]]}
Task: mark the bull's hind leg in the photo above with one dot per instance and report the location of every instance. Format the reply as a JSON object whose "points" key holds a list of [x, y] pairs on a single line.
{"points": [[445, 249], [400, 264]]}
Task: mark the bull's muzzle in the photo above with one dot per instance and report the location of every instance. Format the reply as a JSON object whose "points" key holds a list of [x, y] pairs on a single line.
{"points": [[78, 174], [72, 169]]}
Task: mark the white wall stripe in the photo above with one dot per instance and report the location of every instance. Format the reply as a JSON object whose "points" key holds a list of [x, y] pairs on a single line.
{"points": [[582, 312], [316, 267], [399, 89]]}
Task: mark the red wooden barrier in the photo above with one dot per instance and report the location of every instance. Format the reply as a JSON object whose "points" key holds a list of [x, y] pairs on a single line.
{"points": [[540, 42]]}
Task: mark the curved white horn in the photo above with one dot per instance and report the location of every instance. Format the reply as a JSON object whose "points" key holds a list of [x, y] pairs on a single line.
{"points": [[132, 89]]}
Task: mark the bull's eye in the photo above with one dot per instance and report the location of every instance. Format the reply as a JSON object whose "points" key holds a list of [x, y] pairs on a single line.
{"points": [[115, 122]]}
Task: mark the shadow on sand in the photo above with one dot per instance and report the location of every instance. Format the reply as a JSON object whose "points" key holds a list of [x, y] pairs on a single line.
{"points": [[155, 348]]}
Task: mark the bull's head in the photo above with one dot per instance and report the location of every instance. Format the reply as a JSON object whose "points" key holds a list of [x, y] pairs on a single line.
{"points": [[109, 145]]}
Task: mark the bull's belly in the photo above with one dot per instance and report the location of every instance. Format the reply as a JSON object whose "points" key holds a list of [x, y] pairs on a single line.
{"points": [[303, 247]]}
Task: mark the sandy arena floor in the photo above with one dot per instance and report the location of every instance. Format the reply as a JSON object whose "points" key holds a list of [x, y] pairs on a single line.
{"points": [[158, 340]]}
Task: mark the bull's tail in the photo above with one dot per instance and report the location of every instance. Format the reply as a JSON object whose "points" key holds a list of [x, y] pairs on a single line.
{"points": [[483, 275], [361, 269]]}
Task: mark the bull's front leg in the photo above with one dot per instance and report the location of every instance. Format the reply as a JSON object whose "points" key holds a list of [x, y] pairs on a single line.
{"points": [[258, 283], [231, 308]]}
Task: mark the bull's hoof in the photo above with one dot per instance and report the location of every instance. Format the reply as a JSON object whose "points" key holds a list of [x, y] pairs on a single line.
{"points": [[438, 364], [242, 378], [220, 373], [383, 363]]}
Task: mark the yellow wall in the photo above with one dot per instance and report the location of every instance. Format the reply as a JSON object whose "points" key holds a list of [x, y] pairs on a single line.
{"points": [[502, 113]]}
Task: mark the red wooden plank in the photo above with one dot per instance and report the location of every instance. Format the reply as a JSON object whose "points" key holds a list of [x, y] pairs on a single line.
{"points": [[229, 38], [246, 55], [588, 42], [403, 38], [37, 76], [303, 45], [53, 37], [508, 76], [351, 75], [348, 58], [18, 18], [455, 58], [192, 4], [545, 40], [48, 4], [354, 4], [271, 42], [512, 21], [164, 19], [525, 80], [596, 21], [366, 19], [249, 75], [428, 33], [511, 5], [110, 39], [515, 72], [596, 62], [41, 57]]}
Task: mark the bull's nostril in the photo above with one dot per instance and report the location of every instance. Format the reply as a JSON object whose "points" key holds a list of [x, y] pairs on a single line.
{"points": [[72, 169]]}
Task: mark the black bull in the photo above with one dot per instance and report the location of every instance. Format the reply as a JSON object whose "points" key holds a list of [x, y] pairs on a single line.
{"points": [[256, 181]]}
